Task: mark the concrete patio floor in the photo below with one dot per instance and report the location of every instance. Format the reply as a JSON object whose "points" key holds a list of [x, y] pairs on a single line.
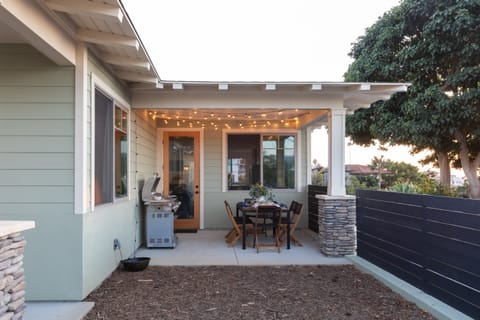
{"points": [[208, 247]]}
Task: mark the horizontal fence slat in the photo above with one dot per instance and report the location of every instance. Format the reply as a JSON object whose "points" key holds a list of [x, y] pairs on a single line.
{"points": [[453, 204], [453, 252], [390, 247], [392, 196], [410, 210], [404, 237], [453, 292], [453, 217], [462, 234], [454, 273], [393, 217], [429, 241], [387, 262]]}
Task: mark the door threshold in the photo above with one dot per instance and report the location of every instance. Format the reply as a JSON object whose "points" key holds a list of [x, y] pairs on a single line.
{"points": [[186, 230]]}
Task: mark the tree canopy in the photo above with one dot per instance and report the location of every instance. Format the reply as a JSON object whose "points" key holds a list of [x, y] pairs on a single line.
{"points": [[435, 46]]}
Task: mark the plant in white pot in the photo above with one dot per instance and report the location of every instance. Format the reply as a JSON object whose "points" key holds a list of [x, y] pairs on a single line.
{"points": [[261, 193]]}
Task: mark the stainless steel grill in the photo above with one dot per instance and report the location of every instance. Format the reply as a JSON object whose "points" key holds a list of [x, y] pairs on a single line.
{"points": [[160, 215]]}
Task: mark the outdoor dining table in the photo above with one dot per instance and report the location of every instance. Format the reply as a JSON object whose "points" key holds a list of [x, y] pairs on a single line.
{"points": [[251, 208]]}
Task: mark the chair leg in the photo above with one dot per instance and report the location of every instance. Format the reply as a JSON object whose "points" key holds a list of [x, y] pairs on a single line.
{"points": [[296, 241], [229, 233], [233, 239]]}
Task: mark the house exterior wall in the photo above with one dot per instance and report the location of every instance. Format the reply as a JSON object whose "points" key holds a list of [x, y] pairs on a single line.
{"points": [[68, 254], [37, 168], [122, 220]]}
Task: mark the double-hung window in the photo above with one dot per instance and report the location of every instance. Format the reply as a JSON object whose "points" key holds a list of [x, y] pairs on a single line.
{"points": [[111, 150], [261, 158]]}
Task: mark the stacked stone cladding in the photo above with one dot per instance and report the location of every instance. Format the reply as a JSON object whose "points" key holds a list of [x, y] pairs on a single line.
{"points": [[12, 278], [337, 230]]}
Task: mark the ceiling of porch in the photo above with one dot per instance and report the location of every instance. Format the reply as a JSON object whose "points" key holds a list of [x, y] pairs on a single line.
{"points": [[236, 118]]}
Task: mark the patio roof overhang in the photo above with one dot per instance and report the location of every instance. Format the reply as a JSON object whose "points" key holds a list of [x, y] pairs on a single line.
{"points": [[294, 104], [57, 27]]}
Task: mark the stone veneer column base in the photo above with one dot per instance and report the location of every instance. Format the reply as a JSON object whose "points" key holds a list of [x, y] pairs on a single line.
{"points": [[337, 232], [12, 278], [12, 282]]}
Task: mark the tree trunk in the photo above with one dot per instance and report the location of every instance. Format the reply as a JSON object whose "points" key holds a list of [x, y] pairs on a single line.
{"points": [[470, 167], [444, 165]]}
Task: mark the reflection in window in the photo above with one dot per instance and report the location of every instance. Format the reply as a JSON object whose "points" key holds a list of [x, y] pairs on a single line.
{"points": [[121, 153], [111, 150], [254, 158]]}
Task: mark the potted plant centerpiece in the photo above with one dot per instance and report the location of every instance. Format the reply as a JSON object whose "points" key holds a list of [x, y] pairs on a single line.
{"points": [[261, 193]]}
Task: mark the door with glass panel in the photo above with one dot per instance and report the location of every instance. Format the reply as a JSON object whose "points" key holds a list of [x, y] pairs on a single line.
{"points": [[182, 176]]}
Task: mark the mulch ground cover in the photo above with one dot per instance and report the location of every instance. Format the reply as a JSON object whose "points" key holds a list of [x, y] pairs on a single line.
{"points": [[248, 292]]}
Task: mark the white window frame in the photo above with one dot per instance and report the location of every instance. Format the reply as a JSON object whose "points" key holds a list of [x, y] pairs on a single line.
{"points": [[226, 132], [104, 88]]}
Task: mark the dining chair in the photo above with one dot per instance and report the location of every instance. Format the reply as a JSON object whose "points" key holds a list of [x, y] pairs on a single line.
{"points": [[237, 225], [295, 210], [272, 214]]}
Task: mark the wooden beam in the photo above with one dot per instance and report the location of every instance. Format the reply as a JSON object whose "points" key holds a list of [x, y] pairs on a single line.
{"points": [[177, 86], [125, 61], [137, 77], [38, 29], [365, 87], [86, 8], [146, 86], [270, 87], [107, 38], [223, 86]]}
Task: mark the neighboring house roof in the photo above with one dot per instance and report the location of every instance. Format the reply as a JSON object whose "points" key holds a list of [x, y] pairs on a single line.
{"points": [[358, 169]]}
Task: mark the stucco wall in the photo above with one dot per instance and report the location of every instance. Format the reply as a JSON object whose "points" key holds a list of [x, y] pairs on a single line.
{"points": [[36, 168]]}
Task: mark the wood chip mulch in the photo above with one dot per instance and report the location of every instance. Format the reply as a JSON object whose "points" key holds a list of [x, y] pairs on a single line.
{"points": [[253, 292]]}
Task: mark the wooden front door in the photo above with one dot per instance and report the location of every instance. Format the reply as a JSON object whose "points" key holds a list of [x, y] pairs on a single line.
{"points": [[182, 172]]}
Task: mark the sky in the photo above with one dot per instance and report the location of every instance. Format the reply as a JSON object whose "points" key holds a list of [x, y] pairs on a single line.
{"points": [[261, 40], [252, 40]]}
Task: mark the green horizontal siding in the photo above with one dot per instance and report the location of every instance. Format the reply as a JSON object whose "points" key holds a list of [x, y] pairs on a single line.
{"points": [[36, 161], [29, 127], [34, 78], [37, 168], [36, 144], [31, 94], [35, 111], [36, 177], [37, 194]]}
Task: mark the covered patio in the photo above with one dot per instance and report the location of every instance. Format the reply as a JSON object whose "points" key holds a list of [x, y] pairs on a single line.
{"points": [[208, 248]]}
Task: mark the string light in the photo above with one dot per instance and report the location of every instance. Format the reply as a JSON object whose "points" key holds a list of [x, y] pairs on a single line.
{"points": [[243, 119]]}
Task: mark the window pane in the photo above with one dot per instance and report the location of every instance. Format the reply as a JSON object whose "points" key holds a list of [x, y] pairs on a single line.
{"points": [[243, 161], [103, 149], [121, 153], [279, 161], [121, 168]]}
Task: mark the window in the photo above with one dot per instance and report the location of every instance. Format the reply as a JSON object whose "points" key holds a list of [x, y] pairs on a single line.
{"points": [[254, 158], [111, 150]]}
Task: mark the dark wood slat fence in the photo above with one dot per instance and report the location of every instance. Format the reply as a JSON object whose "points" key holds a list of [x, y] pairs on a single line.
{"points": [[313, 190], [431, 242]]}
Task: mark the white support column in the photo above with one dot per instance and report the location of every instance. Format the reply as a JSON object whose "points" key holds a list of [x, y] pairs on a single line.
{"points": [[336, 152], [81, 117]]}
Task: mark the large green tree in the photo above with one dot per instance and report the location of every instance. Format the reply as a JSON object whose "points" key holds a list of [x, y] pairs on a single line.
{"points": [[434, 45]]}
